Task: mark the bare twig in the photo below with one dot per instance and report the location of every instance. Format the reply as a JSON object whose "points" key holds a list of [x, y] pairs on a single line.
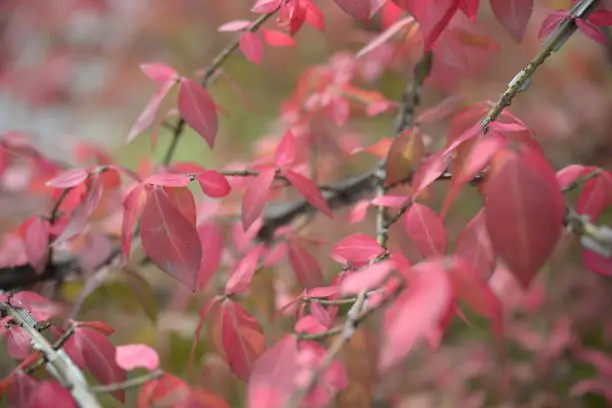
{"points": [[59, 364], [125, 385]]}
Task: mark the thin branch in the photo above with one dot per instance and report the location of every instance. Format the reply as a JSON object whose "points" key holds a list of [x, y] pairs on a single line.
{"points": [[59, 343], [125, 385], [59, 365], [208, 74]]}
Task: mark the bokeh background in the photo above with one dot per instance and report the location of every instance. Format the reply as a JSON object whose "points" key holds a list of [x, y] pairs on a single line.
{"points": [[69, 75]]}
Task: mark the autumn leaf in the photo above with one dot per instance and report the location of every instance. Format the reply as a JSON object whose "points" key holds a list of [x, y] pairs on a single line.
{"points": [[309, 190], [198, 109], [255, 197], [513, 15], [170, 240], [404, 156], [251, 46], [426, 229]]}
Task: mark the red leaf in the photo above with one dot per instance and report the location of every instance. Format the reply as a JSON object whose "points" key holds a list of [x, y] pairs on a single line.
{"points": [[416, 311], [513, 15], [277, 38], [169, 180], [165, 391], [182, 199], [244, 271], [433, 16], [78, 220], [524, 211], [51, 394], [266, 6], [36, 239], [551, 22], [431, 169], [358, 248], [133, 356], [470, 8], [600, 17], [170, 240], [385, 35], [426, 229], [272, 380], [214, 184], [212, 249], [198, 109], [255, 197], [307, 269], [132, 206], [68, 179], [440, 111], [242, 338], [101, 327], [470, 286], [366, 279], [251, 46], [597, 263], [22, 389], [571, 173], [474, 246], [286, 152], [18, 342], [591, 31], [595, 196], [147, 117], [160, 73], [309, 190], [98, 355]]}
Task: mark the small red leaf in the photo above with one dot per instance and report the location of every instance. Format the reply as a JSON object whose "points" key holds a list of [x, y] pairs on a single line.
{"points": [[277, 38], [242, 338], [198, 109], [513, 15], [366, 279], [36, 239], [170, 240], [255, 197], [213, 184], [133, 356], [147, 117], [245, 269], [405, 154], [212, 250], [309, 190], [236, 25], [159, 73], [251, 46], [426, 229], [358, 248], [132, 206], [307, 269], [286, 152]]}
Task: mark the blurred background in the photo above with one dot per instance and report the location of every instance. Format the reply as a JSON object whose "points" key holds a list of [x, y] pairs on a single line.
{"points": [[69, 75]]}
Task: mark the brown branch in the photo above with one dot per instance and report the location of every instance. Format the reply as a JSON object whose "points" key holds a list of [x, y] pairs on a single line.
{"points": [[59, 364], [125, 385]]}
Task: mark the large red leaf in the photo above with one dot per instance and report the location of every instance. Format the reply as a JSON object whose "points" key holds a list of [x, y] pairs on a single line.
{"points": [[306, 267], [309, 190], [416, 312], [255, 197], [97, 353], [242, 338], [198, 109], [182, 199], [170, 240], [524, 210], [425, 228], [513, 15], [251, 46]]}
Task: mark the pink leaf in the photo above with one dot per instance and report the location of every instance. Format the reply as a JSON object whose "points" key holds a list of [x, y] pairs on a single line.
{"points": [[18, 342], [309, 190], [159, 73], [213, 184], [170, 240], [68, 179], [169, 180], [198, 109], [385, 36], [307, 269], [551, 22], [236, 25], [474, 246], [366, 279], [133, 356], [147, 117], [37, 241], [433, 16], [277, 38], [513, 15], [358, 248], [286, 152], [359, 9], [600, 17], [212, 250], [251, 46], [431, 169], [266, 6], [132, 206], [182, 199], [243, 274], [416, 312], [425, 228], [571, 173], [242, 338], [591, 31], [255, 197], [442, 110]]}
